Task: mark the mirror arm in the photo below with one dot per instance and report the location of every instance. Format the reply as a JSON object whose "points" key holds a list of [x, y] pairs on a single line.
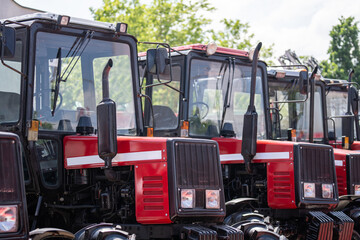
{"points": [[333, 121], [151, 108], [2, 25]]}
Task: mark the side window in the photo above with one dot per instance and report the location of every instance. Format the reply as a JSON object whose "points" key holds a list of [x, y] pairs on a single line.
{"points": [[165, 100], [47, 154], [166, 106], [10, 84]]}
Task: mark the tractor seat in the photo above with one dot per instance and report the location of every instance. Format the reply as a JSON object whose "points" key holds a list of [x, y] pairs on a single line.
{"points": [[164, 117]]}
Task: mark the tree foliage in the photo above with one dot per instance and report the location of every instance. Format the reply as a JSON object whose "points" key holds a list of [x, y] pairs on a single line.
{"points": [[177, 22], [236, 35], [344, 50]]}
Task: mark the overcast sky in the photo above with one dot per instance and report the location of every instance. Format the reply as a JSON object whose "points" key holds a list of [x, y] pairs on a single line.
{"points": [[302, 26]]}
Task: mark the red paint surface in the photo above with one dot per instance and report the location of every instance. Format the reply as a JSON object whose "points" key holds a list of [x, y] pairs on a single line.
{"points": [[151, 193], [151, 178], [280, 172], [355, 145], [340, 155], [80, 146]]}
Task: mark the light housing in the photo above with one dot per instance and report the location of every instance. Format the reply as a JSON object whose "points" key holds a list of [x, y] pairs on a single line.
{"points": [[187, 198], [280, 74], [63, 20], [327, 190], [357, 190], [211, 48], [309, 190], [9, 219], [121, 27], [184, 132], [212, 198]]}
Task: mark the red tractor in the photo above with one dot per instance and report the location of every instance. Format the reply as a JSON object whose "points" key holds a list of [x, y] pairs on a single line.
{"points": [[300, 116], [90, 168], [204, 91]]}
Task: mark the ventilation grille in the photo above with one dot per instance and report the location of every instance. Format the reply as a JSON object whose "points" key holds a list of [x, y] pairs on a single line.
{"points": [[353, 170], [9, 185], [197, 165], [282, 185], [153, 191], [316, 164]]}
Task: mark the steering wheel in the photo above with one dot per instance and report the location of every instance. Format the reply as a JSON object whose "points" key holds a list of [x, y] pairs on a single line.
{"points": [[198, 111]]}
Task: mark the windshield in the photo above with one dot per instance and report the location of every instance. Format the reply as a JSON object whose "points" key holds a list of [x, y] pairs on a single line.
{"points": [[10, 84], [336, 104], [82, 91], [210, 86], [295, 115]]}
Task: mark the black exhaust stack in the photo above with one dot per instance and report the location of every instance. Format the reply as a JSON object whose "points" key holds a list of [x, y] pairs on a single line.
{"points": [[249, 138], [106, 121]]}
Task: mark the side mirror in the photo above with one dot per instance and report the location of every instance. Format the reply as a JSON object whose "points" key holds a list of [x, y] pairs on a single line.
{"points": [[8, 41], [156, 60], [303, 82]]}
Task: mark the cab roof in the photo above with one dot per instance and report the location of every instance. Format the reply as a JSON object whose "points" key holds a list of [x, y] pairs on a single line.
{"points": [[29, 18], [223, 50]]}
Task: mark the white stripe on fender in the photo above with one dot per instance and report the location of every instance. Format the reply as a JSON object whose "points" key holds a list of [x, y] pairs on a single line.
{"points": [[267, 155], [120, 157]]}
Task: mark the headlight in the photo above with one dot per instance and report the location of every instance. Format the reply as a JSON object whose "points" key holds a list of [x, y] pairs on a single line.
{"points": [[8, 219], [327, 190], [213, 199], [357, 190], [309, 190], [187, 198]]}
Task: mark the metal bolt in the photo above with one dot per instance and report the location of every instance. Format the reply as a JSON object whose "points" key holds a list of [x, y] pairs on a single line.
{"points": [[179, 210], [136, 166], [176, 144], [292, 201], [221, 209], [166, 214], [164, 165], [164, 158], [163, 150]]}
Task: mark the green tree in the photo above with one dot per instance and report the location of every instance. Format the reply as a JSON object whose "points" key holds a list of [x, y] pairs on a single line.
{"points": [[344, 50], [177, 22], [236, 35]]}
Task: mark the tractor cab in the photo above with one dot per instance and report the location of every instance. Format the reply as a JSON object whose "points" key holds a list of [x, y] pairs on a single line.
{"points": [[292, 108], [69, 91], [222, 94]]}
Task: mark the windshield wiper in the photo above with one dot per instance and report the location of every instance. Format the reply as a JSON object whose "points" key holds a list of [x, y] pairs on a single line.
{"points": [[228, 92], [75, 52], [57, 81]]}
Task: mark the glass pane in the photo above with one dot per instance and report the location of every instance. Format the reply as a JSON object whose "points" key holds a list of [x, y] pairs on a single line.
{"points": [[10, 84], [165, 100], [336, 104], [81, 81], [47, 155], [294, 115], [219, 99]]}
